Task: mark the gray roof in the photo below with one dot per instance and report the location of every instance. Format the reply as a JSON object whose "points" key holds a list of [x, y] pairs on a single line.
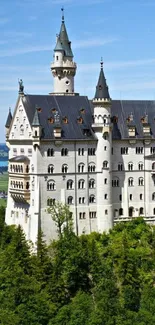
{"points": [[102, 88], [139, 108], [74, 107], [71, 107], [20, 159], [9, 119]]}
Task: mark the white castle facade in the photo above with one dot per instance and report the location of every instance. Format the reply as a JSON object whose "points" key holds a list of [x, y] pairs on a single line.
{"points": [[96, 156]]}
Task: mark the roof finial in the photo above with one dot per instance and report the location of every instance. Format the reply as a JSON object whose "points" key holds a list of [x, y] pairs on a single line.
{"points": [[9, 109], [63, 19], [101, 62]]}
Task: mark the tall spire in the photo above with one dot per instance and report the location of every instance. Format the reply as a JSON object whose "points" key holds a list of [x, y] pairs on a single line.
{"points": [[63, 37], [9, 119], [102, 91]]}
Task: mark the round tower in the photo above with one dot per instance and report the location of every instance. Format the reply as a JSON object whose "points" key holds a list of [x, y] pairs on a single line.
{"points": [[63, 68], [103, 130]]}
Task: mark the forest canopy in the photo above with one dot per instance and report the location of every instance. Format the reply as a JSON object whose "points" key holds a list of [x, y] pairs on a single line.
{"points": [[96, 279]]}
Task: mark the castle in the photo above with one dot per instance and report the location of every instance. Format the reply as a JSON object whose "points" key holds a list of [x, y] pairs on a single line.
{"points": [[97, 156]]}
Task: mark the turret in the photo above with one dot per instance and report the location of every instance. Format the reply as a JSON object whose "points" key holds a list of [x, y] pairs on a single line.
{"points": [[36, 128], [63, 68], [103, 130], [8, 123]]}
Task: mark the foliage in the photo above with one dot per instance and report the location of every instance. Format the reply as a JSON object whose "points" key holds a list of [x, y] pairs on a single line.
{"points": [[96, 279]]}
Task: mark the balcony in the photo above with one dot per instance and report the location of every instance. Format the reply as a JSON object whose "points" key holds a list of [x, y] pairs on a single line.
{"points": [[20, 195]]}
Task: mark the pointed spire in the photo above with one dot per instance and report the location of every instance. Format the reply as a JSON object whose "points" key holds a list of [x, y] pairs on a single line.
{"points": [[9, 119], [63, 37], [36, 119], [102, 91]]}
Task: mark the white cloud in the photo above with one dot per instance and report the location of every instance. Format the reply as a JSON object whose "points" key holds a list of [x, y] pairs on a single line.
{"points": [[93, 42]]}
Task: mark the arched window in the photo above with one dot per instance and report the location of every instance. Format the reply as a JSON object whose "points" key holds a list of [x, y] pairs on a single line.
{"points": [[81, 184], [153, 165], [120, 212], [92, 199], [91, 168], [50, 202], [51, 185], [115, 182], [130, 181], [81, 168], [153, 196], [92, 183], [70, 184], [64, 152], [141, 196], [105, 164], [21, 130], [50, 169], [50, 152], [131, 210], [140, 166], [70, 200], [64, 169], [141, 181], [32, 168], [120, 166], [141, 211], [130, 166]]}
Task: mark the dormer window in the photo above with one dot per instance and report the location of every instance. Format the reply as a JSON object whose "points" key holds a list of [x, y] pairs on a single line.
{"points": [[39, 109], [79, 120], [65, 120], [54, 110], [51, 120], [146, 129], [82, 111], [132, 131]]}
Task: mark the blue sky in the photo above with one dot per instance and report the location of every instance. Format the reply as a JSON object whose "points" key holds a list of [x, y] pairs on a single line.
{"points": [[121, 31]]}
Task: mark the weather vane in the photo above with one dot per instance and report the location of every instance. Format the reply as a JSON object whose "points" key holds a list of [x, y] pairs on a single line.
{"points": [[62, 9], [101, 62]]}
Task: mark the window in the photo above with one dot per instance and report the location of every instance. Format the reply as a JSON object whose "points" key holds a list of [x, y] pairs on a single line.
{"points": [[106, 212], [70, 184], [124, 151], [105, 196], [130, 181], [81, 200], [140, 166], [141, 211], [152, 150], [120, 212], [57, 57], [153, 165], [35, 133], [81, 168], [130, 196], [81, 151], [50, 169], [105, 164], [50, 152], [91, 151], [81, 184], [154, 211], [139, 150], [105, 181], [92, 199], [92, 183], [92, 215], [50, 202], [130, 166], [120, 166], [29, 152], [91, 168], [82, 215], [120, 197], [153, 196], [141, 181], [141, 196], [105, 148], [21, 150], [64, 169], [112, 150], [70, 200], [64, 152], [21, 130], [131, 211], [51, 185], [115, 182]]}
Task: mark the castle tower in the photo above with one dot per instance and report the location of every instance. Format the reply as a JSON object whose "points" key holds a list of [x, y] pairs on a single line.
{"points": [[63, 68], [103, 130]]}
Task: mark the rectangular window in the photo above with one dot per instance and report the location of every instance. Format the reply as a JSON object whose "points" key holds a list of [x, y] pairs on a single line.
{"points": [[139, 150], [105, 148], [106, 196], [130, 197], [152, 150], [14, 151], [29, 152], [105, 181], [124, 151], [92, 215], [120, 197], [22, 150]]}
